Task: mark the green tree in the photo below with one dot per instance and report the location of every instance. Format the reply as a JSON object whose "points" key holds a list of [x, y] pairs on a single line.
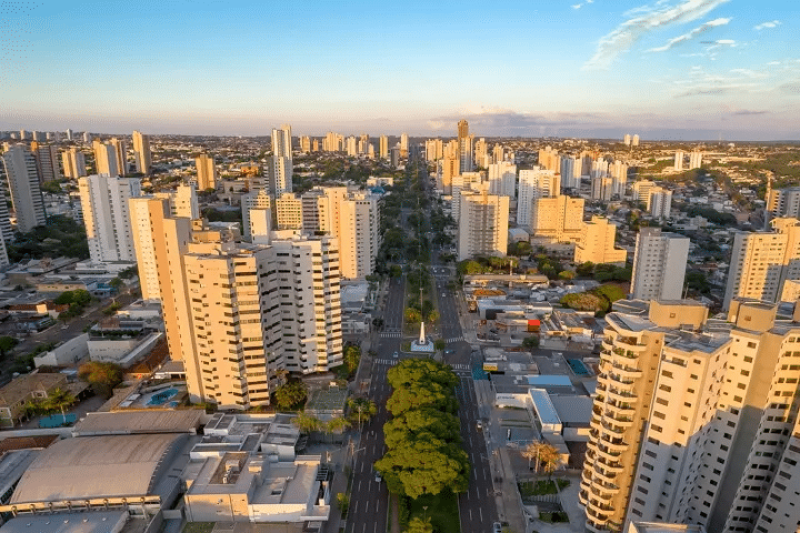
{"points": [[530, 342], [566, 275], [413, 316], [7, 344], [291, 394], [585, 269], [420, 525], [352, 356], [418, 395], [306, 423], [102, 376], [343, 500], [421, 467], [116, 283], [413, 371], [59, 400], [439, 344], [361, 410], [425, 423], [433, 316]]}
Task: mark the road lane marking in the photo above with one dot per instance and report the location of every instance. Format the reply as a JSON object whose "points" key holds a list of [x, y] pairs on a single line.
{"points": [[480, 509]]}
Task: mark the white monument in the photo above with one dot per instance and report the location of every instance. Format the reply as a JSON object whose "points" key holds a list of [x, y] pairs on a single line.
{"points": [[423, 344]]}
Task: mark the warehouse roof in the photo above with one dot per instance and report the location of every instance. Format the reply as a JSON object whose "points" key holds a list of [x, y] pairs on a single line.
{"points": [[94, 467], [131, 422]]}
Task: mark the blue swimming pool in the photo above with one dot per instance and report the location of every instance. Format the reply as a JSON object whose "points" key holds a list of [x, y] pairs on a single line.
{"points": [[578, 367], [55, 421], [160, 398]]}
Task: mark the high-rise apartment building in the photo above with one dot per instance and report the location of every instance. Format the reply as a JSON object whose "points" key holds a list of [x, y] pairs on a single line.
{"points": [[383, 147], [659, 265], [74, 163], [106, 215], [305, 144], [182, 201], [121, 152], [679, 160], [558, 219], [635, 140], [695, 159], [434, 150], [602, 188], [46, 156], [254, 200], [482, 224], [549, 159], [359, 234], [533, 184], [289, 211], [206, 172], [141, 152], [706, 411], [761, 262], [237, 313], [596, 244], [23, 184], [447, 169], [784, 202], [498, 154], [404, 144], [503, 179], [570, 168], [641, 191], [482, 153], [629, 362], [627, 139], [147, 220], [282, 167], [105, 158], [464, 147], [659, 203], [462, 182], [333, 142]]}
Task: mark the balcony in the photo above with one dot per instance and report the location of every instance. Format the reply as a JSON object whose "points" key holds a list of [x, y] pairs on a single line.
{"points": [[621, 396], [601, 491], [610, 466], [605, 477], [626, 371], [623, 409], [607, 455]]}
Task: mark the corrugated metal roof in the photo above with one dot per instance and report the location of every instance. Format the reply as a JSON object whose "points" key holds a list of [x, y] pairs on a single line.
{"points": [[544, 407], [93, 467], [130, 422]]}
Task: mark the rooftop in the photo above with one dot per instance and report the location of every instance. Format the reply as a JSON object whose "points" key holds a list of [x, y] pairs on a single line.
{"points": [[96, 522], [653, 527], [132, 422], [19, 388]]}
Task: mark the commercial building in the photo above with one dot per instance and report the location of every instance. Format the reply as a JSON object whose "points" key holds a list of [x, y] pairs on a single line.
{"points": [[206, 172], [23, 184], [141, 152], [106, 215], [482, 224], [558, 219], [596, 244], [534, 184], [762, 262], [659, 265]]}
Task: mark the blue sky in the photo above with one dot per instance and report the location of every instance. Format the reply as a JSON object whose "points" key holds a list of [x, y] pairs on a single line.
{"points": [[674, 69]]}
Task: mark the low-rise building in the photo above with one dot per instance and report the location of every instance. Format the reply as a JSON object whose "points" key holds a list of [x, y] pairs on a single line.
{"points": [[22, 389]]}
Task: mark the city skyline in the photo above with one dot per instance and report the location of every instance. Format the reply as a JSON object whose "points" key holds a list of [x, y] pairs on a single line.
{"points": [[673, 69]]}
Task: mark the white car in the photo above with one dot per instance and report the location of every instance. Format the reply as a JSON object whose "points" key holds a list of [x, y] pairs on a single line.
{"points": [[395, 355], [378, 477]]}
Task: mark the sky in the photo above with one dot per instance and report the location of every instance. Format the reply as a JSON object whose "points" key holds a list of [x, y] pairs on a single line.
{"points": [[667, 69]]}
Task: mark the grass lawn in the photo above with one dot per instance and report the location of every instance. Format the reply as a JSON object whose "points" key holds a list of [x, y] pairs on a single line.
{"points": [[198, 527], [542, 487], [442, 510]]}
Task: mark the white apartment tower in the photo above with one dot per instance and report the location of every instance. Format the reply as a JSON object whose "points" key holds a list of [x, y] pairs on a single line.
{"points": [[282, 168], [289, 211], [121, 153], [74, 163], [533, 184], [660, 203], [182, 201], [659, 265], [762, 262], [602, 188], [147, 219], [46, 161], [106, 215], [503, 179], [558, 219], [678, 160], [482, 224], [784, 202], [105, 158], [596, 244], [206, 172], [695, 159], [141, 152], [383, 147], [629, 363], [254, 200], [23, 184], [359, 234], [570, 172]]}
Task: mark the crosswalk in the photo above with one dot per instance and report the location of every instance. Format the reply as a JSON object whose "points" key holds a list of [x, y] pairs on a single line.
{"points": [[391, 334], [455, 339], [387, 362], [458, 367]]}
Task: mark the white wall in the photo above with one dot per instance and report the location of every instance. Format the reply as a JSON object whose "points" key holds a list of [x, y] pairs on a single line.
{"points": [[68, 353]]}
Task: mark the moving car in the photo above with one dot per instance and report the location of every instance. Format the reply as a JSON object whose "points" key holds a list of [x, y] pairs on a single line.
{"points": [[378, 477], [395, 355]]}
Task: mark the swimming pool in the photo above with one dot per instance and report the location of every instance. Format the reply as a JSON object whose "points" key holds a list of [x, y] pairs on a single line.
{"points": [[578, 367], [160, 398]]}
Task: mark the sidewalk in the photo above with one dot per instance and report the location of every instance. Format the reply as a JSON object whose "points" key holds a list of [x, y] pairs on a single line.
{"points": [[338, 486]]}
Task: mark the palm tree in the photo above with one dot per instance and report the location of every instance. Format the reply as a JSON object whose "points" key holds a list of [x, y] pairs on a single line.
{"points": [[361, 409], [531, 452], [306, 423], [335, 425], [59, 399], [550, 458]]}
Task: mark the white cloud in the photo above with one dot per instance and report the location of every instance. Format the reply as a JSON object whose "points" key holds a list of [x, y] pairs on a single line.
{"points": [[692, 34], [643, 20], [768, 25], [577, 6]]}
